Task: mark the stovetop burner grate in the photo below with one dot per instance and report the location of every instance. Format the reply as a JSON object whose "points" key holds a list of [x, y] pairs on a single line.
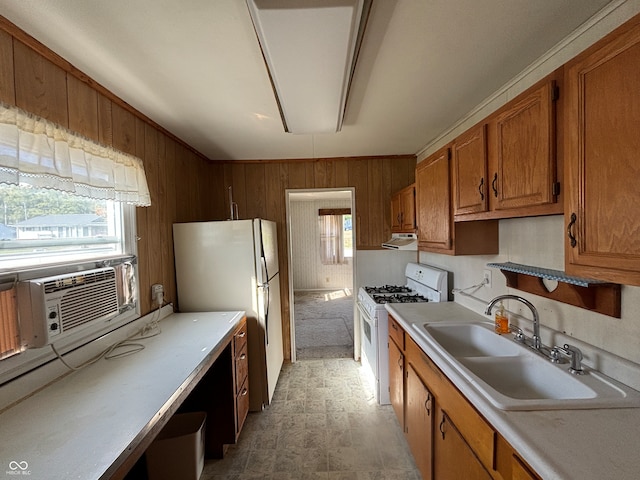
{"points": [[399, 298], [388, 289]]}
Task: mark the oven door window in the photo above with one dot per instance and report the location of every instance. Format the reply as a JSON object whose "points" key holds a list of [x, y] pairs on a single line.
{"points": [[366, 327]]}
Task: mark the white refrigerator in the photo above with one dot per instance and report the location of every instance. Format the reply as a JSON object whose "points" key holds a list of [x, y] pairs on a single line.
{"points": [[233, 265]]}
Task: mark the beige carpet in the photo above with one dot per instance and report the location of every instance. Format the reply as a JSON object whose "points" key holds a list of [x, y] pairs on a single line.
{"points": [[324, 324]]}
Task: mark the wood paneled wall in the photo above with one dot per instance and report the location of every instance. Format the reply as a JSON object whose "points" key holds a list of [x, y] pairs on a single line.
{"points": [[184, 185], [39, 81], [259, 190]]}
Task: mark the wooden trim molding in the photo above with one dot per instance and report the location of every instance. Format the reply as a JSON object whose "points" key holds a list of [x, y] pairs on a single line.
{"points": [[334, 211]]}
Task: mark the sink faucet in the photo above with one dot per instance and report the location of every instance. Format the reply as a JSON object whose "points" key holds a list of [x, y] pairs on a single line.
{"points": [[536, 318], [575, 355]]}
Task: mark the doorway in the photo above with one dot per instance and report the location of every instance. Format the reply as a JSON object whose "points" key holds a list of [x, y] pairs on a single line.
{"points": [[321, 253]]}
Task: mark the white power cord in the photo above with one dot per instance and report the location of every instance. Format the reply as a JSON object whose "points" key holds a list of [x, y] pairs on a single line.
{"points": [[150, 329], [476, 286]]}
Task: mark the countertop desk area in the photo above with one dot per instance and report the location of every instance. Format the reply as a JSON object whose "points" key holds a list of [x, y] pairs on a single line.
{"points": [[96, 422]]}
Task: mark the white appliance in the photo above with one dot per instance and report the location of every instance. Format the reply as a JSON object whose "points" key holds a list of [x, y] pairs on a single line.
{"points": [[233, 265], [52, 307], [402, 241], [424, 284]]}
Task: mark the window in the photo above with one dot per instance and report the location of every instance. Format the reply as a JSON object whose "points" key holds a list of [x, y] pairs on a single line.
{"points": [[347, 236], [336, 242], [65, 201], [42, 227]]}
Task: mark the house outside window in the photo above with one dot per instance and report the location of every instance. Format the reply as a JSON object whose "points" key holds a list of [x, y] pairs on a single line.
{"points": [[47, 226]]}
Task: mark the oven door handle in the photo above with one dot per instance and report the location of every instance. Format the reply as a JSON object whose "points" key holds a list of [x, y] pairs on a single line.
{"points": [[364, 314]]}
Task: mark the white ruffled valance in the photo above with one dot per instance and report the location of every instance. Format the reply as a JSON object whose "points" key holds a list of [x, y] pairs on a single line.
{"points": [[37, 152]]}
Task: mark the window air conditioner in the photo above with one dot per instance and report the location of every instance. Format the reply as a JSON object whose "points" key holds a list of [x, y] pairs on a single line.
{"points": [[52, 307]]}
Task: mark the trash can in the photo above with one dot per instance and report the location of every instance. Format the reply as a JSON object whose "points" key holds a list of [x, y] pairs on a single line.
{"points": [[178, 450]]}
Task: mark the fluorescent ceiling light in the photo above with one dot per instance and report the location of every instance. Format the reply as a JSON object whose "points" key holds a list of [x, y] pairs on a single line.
{"points": [[310, 48]]}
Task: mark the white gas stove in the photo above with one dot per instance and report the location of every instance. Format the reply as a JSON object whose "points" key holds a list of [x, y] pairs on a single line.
{"points": [[424, 284]]}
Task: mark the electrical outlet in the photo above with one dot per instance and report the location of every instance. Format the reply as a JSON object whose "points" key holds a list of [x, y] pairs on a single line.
{"points": [[486, 276], [157, 294]]}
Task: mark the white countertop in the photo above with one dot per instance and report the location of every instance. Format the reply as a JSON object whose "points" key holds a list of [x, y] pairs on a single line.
{"points": [[558, 444], [84, 425]]}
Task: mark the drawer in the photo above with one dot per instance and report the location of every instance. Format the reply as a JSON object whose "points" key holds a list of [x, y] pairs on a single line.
{"points": [[242, 406], [472, 426], [240, 338], [242, 367], [396, 332]]}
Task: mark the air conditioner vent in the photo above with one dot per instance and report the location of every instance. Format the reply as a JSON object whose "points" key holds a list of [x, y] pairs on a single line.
{"points": [[86, 303], [65, 282]]}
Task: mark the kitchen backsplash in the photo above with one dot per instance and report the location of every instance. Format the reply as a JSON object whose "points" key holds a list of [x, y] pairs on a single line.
{"points": [[539, 241]]}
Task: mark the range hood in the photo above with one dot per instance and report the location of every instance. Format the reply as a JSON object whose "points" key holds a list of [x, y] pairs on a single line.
{"points": [[402, 241]]}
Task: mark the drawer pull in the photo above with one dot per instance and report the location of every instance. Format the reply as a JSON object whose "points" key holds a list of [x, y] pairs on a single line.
{"points": [[243, 356], [244, 392], [394, 326], [241, 334]]}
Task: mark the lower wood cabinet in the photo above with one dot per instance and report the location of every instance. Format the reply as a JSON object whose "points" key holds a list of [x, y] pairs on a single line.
{"points": [[241, 376], [447, 436], [453, 458], [223, 393], [419, 422], [396, 379]]}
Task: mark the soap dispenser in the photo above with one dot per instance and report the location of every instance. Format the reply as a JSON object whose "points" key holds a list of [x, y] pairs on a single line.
{"points": [[501, 321]]}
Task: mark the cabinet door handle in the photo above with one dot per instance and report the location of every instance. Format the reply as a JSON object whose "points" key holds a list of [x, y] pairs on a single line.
{"points": [[572, 237], [481, 188], [493, 184], [244, 392], [242, 334], [427, 404], [243, 356], [442, 425], [400, 362]]}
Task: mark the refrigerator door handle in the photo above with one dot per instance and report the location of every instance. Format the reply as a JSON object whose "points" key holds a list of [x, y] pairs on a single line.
{"points": [[263, 272], [267, 302]]}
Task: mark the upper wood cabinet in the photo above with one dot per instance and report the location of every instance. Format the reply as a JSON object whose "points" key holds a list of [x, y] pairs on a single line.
{"points": [[433, 205], [525, 155], [434, 215], [470, 171], [403, 210], [506, 166], [602, 145]]}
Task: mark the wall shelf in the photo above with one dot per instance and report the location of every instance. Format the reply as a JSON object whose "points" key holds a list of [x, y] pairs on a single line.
{"points": [[594, 295]]}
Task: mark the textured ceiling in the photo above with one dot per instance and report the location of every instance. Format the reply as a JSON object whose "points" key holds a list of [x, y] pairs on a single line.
{"points": [[195, 66]]}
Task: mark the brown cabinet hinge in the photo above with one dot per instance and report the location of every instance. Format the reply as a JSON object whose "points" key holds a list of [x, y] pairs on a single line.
{"points": [[555, 95]]}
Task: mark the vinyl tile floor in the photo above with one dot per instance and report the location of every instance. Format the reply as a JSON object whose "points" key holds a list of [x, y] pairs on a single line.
{"points": [[323, 423]]}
